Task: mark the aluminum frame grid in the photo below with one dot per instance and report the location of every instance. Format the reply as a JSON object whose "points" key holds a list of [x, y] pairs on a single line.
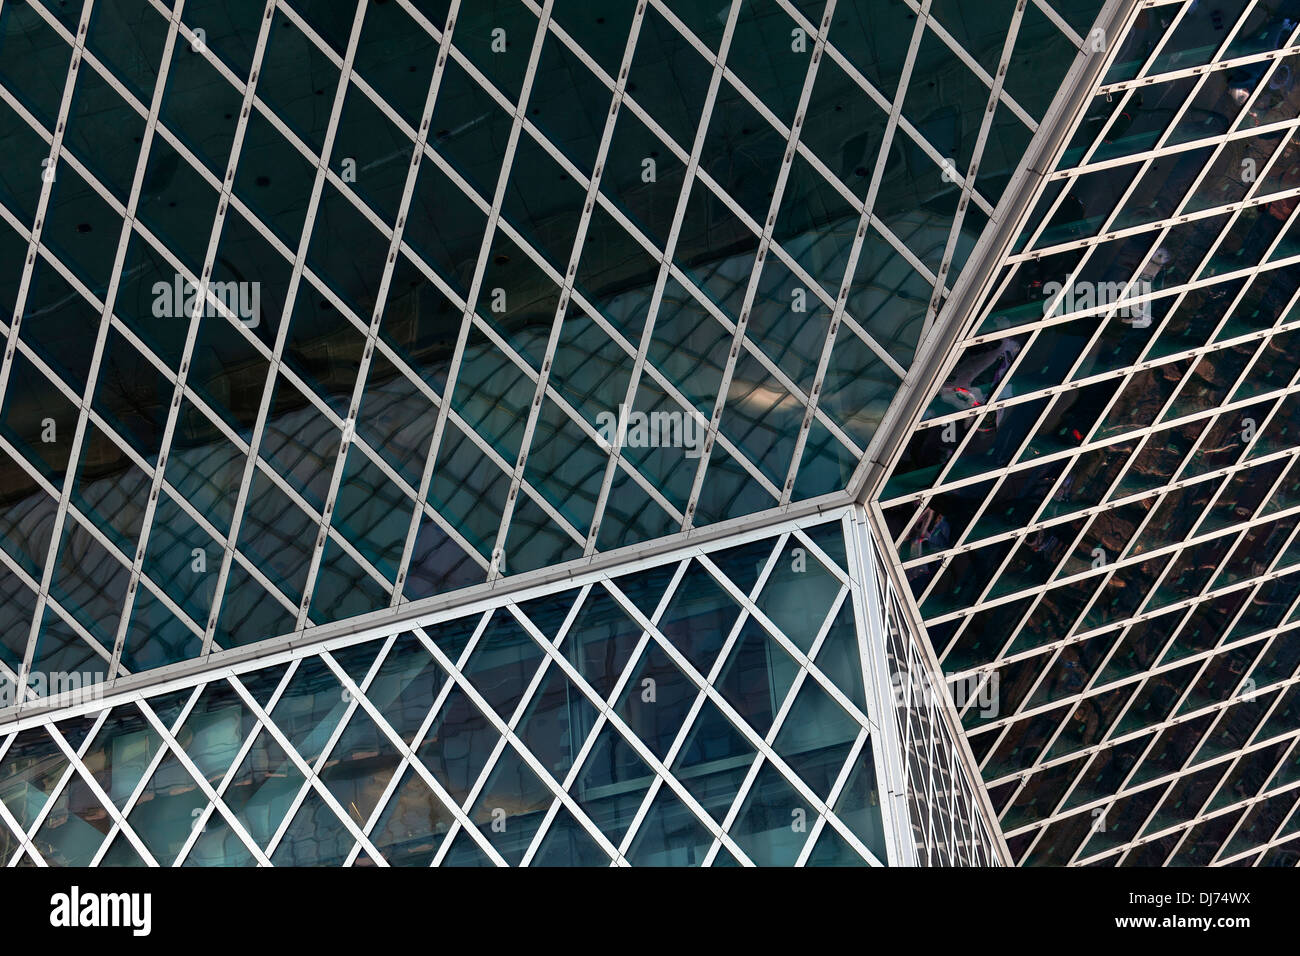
{"points": [[952, 821], [1148, 678], [350, 559], [207, 732]]}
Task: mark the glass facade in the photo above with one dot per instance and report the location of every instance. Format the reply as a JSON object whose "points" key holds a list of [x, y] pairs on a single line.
{"points": [[655, 432], [352, 305], [1094, 512], [720, 708]]}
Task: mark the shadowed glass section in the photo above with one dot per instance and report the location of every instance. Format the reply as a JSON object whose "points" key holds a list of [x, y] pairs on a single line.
{"points": [[1096, 511], [724, 232]]}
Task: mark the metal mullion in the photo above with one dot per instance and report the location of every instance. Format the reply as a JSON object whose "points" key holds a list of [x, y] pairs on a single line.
{"points": [[850, 270], [915, 135], [718, 830], [1152, 729], [805, 661], [409, 757], [154, 762], [1223, 642], [1112, 566], [1257, 515], [493, 221], [169, 743], [436, 30], [1156, 51], [729, 712], [494, 758], [1154, 732], [830, 564], [381, 806], [1137, 681], [1140, 838], [876, 223], [311, 780], [656, 301], [1070, 173], [1049, 306], [551, 649], [977, 155], [75, 762], [94, 417], [1274, 839], [315, 766], [118, 818], [507, 738], [7, 820], [1100, 138], [210, 416], [566, 290], [756, 352], [372, 335], [1004, 98], [520, 240], [1177, 118], [837, 789], [1181, 289], [606, 713], [277, 650], [962, 547], [23, 688], [896, 741], [1248, 201], [1209, 212], [361, 698], [65, 778], [765, 240], [241, 754], [1165, 224], [313, 205], [671, 391], [417, 741], [778, 721], [1141, 434], [558, 792], [496, 457], [945, 718], [214, 61], [299, 22], [797, 655], [563, 404], [687, 282], [1256, 519], [28, 117], [1253, 583], [580, 758], [20, 302], [1196, 352], [173, 413], [1059, 22], [1186, 826], [1233, 760], [1262, 848], [924, 789], [1215, 66]]}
